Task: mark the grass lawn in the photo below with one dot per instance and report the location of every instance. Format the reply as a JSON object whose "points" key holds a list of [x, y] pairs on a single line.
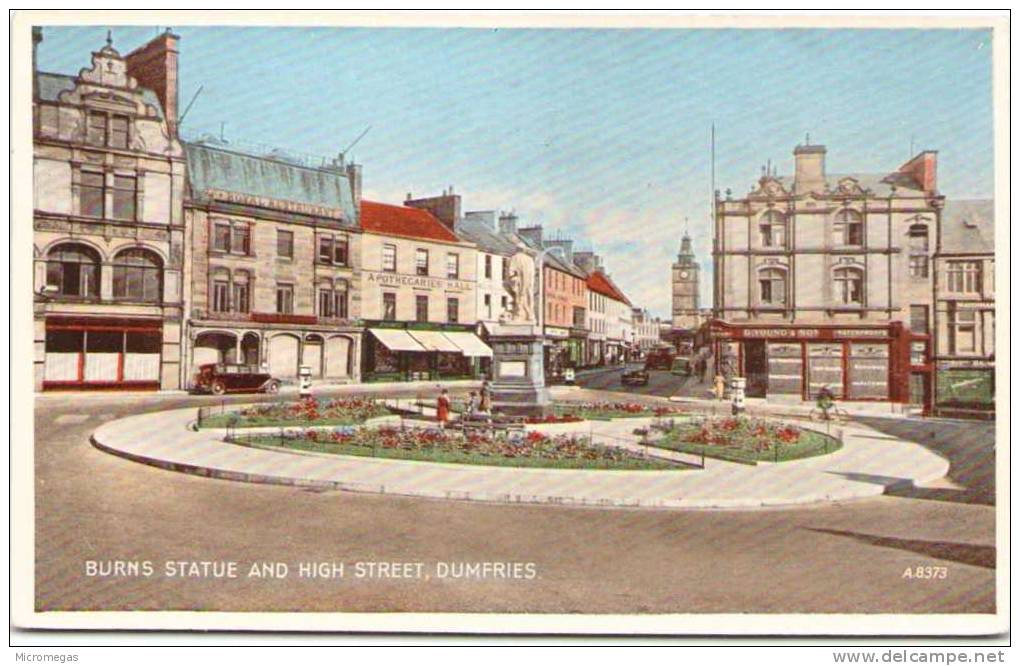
{"points": [[809, 444], [223, 420], [452, 455], [562, 409]]}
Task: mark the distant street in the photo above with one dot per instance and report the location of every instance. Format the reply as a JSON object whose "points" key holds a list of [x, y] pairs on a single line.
{"points": [[661, 383], [835, 558]]}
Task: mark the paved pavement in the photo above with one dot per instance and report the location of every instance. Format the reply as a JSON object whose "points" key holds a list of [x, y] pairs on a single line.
{"points": [[832, 558]]}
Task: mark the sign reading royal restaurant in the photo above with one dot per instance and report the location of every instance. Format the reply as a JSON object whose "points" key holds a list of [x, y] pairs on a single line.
{"points": [[415, 281], [275, 204]]}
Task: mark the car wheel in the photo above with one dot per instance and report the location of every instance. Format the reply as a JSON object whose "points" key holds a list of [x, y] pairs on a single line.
{"points": [[218, 388], [273, 388]]}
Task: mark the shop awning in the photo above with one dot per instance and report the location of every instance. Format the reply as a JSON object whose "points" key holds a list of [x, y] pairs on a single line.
{"points": [[434, 341], [396, 339], [468, 343]]}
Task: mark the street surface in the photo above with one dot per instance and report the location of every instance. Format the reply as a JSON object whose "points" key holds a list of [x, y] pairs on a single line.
{"points": [[848, 558]]}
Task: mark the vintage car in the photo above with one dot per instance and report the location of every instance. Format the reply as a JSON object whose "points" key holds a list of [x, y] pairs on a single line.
{"points": [[635, 376], [683, 366], [659, 359], [220, 378]]}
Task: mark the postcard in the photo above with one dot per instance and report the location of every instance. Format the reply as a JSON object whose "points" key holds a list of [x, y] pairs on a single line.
{"points": [[590, 324]]}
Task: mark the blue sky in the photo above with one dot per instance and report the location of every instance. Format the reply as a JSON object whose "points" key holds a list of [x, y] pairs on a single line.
{"points": [[600, 135]]}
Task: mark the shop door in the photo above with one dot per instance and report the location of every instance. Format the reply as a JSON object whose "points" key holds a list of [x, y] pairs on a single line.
{"points": [[283, 356], [313, 356], [756, 368], [103, 355], [337, 352]]}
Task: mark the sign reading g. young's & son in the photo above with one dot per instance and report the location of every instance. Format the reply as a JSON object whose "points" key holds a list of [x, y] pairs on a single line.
{"points": [[415, 281], [802, 333]]}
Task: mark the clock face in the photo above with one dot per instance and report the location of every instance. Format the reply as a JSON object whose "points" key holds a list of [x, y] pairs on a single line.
{"points": [[683, 275]]}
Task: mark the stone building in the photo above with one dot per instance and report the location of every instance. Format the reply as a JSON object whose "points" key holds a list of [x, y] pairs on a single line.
{"points": [[418, 289], [616, 316], [274, 249], [823, 279], [964, 330], [646, 330], [108, 181]]}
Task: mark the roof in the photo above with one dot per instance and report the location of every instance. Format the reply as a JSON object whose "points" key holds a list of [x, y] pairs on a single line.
{"points": [[50, 86], [552, 260], [393, 220], [214, 168], [485, 237], [968, 226], [600, 283]]}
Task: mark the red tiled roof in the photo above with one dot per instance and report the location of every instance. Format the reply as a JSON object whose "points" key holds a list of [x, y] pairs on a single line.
{"points": [[600, 283], [393, 220]]}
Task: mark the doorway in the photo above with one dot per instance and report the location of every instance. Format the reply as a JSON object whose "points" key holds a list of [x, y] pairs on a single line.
{"points": [[756, 367]]}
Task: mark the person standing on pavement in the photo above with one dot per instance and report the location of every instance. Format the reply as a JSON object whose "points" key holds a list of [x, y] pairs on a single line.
{"points": [[485, 398], [443, 408], [702, 368]]}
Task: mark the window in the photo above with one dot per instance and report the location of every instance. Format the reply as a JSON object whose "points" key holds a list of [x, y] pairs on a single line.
{"points": [[74, 270], [453, 265], [241, 292], [918, 266], [505, 268], [119, 132], [333, 300], [333, 250], [285, 299], [772, 286], [503, 303], [421, 262], [772, 229], [285, 244], [138, 276], [917, 238], [103, 129], [488, 266], [579, 317], [964, 331], [95, 134], [389, 258], [221, 293], [849, 284], [487, 299], [848, 228], [125, 194], [919, 319], [964, 277], [452, 310], [232, 237], [93, 194], [389, 302], [421, 308]]}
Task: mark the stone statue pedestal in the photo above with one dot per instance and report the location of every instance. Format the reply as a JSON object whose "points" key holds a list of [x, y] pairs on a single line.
{"points": [[518, 373]]}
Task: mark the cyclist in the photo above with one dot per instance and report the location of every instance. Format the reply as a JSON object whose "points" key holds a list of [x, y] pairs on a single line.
{"points": [[825, 402]]}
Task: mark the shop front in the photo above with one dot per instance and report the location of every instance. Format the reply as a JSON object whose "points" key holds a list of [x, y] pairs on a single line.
{"points": [[102, 353], [421, 352], [856, 363]]}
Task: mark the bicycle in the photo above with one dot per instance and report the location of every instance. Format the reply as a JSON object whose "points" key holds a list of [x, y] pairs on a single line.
{"points": [[835, 415]]}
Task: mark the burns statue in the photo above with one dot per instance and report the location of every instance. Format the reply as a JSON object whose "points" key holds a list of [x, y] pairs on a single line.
{"points": [[521, 285]]}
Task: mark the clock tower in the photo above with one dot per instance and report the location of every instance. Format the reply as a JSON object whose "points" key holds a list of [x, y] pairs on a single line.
{"points": [[685, 287]]}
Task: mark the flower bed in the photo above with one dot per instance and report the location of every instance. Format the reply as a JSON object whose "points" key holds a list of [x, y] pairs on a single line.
{"points": [[742, 439], [602, 411], [339, 411], [515, 449]]}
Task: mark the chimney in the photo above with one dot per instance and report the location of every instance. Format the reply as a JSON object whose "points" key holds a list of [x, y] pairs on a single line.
{"points": [[36, 39], [533, 234], [809, 174], [154, 66], [486, 217], [354, 177], [587, 261], [508, 223], [446, 208], [922, 169]]}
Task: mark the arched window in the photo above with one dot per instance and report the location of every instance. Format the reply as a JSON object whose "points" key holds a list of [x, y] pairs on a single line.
{"points": [[849, 284], [138, 276], [848, 228], [772, 286], [333, 299], [772, 229], [74, 270], [917, 237]]}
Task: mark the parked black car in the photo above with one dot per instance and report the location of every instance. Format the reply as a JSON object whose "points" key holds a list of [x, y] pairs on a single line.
{"points": [[220, 378]]}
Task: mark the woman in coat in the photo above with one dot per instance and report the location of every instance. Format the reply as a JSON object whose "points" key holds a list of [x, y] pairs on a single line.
{"points": [[443, 408]]}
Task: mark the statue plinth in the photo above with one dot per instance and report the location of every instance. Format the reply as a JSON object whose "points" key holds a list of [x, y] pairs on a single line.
{"points": [[518, 383]]}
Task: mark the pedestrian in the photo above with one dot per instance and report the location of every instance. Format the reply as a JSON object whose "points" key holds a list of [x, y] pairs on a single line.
{"points": [[702, 369], [472, 405], [720, 387], [443, 408], [485, 398]]}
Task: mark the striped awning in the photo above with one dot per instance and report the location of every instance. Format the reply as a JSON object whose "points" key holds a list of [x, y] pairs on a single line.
{"points": [[396, 339], [469, 343], [434, 341]]}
